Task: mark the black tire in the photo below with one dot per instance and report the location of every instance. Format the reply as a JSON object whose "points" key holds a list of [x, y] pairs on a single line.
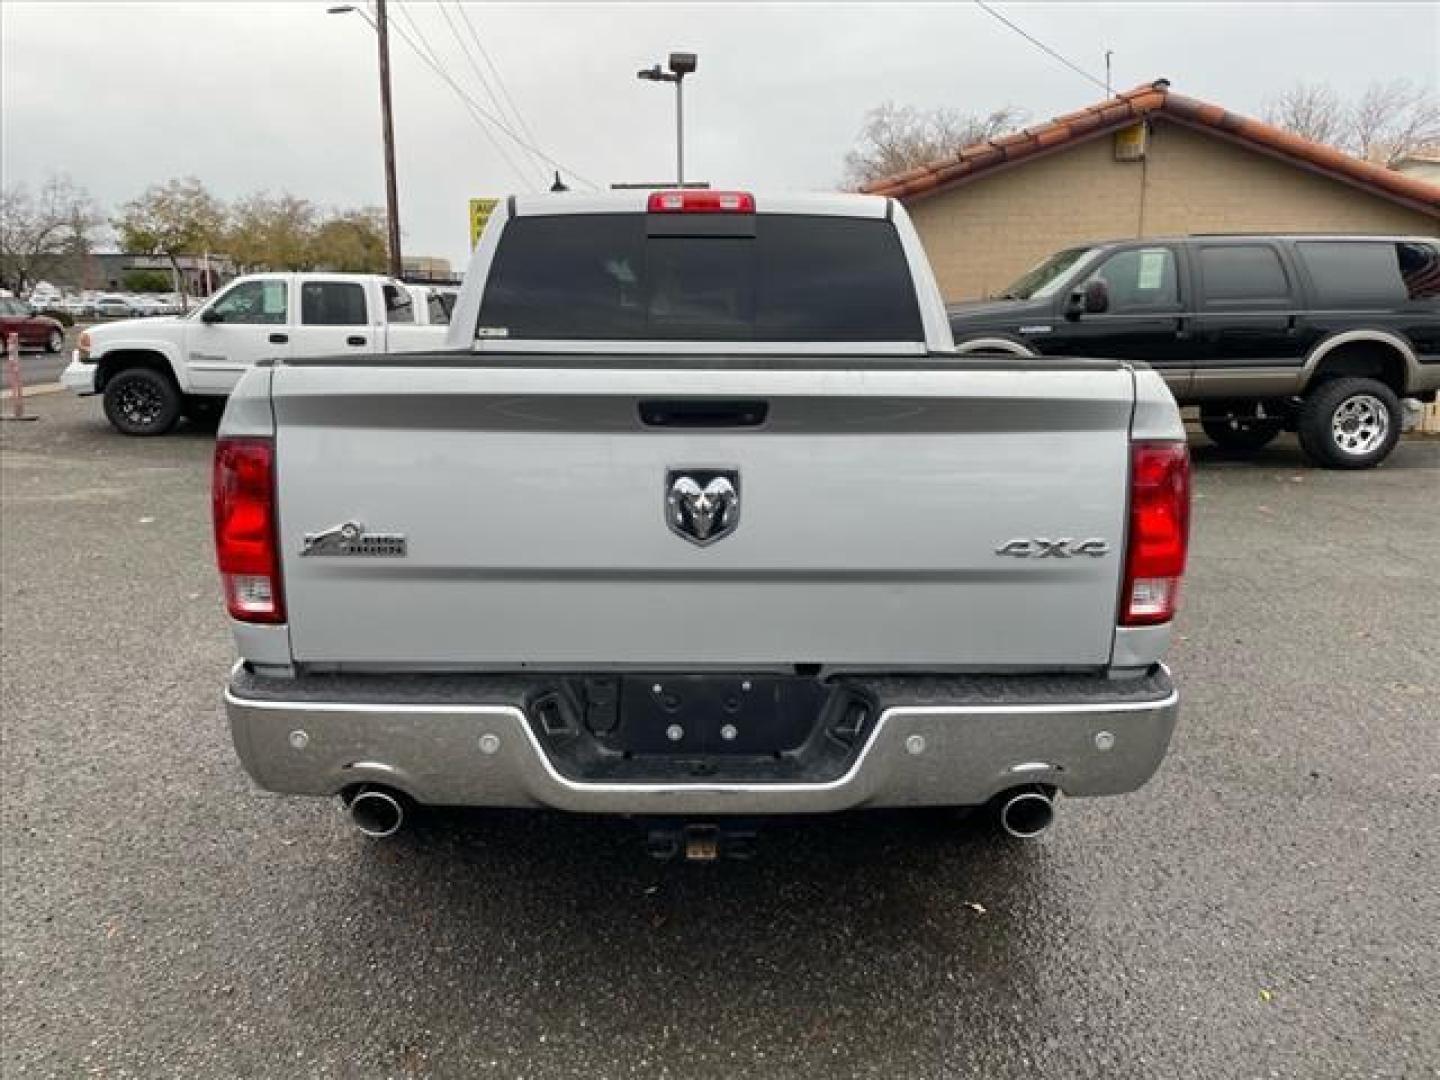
{"points": [[55, 342], [1240, 432], [142, 401], [1349, 423]]}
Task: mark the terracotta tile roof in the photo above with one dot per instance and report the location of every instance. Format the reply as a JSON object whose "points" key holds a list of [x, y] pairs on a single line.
{"points": [[1156, 99]]}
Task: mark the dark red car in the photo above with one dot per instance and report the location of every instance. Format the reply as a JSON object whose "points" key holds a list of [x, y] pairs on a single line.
{"points": [[36, 331]]}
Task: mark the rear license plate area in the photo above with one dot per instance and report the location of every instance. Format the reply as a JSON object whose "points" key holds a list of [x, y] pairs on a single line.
{"points": [[706, 714]]}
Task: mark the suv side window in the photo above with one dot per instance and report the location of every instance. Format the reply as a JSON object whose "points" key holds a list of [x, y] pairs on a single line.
{"points": [[251, 302], [1349, 274], [332, 303], [1243, 275], [1142, 279]]}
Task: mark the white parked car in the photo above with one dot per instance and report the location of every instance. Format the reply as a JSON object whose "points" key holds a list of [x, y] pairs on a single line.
{"points": [[152, 371], [114, 306]]}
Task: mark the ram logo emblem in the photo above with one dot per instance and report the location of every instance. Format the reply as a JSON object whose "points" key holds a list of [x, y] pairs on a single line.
{"points": [[702, 505], [1040, 548]]}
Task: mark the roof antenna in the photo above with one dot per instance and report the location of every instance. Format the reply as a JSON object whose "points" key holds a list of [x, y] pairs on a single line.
{"points": [[558, 185], [1108, 53]]}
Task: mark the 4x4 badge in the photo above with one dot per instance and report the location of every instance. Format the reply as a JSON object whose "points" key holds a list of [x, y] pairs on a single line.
{"points": [[702, 505], [1039, 548]]}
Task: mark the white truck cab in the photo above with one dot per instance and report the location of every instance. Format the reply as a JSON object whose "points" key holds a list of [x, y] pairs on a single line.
{"points": [[153, 371]]}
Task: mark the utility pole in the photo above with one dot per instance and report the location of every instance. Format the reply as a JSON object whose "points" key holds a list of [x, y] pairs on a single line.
{"points": [[381, 23], [392, 198]]}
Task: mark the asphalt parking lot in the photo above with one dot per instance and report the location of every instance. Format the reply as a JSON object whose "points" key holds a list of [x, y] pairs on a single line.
{"points": [[1266, 907]]}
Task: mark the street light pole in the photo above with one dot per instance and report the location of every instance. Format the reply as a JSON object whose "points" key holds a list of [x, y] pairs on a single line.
{"points": [[679, 132], [681, 64], [392, 197]]}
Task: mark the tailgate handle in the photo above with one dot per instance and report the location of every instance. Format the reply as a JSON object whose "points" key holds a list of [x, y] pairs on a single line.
{"points": [[704, 413]]}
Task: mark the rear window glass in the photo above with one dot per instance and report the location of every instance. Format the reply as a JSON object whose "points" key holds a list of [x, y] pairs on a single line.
{"points": [[1420, 270], [332, 303], [798, 278], [1243, 272]]}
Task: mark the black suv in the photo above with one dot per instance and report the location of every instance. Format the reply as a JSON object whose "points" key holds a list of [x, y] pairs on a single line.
{"points": [[1321, 335]]}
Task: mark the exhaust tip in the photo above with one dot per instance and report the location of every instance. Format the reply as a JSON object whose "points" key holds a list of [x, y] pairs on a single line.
{"points": [[377, 813], [1026, 814]]}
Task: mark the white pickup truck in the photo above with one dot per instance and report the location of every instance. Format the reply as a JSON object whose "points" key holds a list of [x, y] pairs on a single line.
{"points": [[701, 516], [153, 371]]}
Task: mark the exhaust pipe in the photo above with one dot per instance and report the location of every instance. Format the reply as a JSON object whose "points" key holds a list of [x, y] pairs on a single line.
{"points": [[376, 812], [1027, 812]]}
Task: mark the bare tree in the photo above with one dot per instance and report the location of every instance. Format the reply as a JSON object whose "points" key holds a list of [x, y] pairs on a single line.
{"points": [[44, 232], [1393, 120], [895, 138], [1384, 124], [1311, 110]]}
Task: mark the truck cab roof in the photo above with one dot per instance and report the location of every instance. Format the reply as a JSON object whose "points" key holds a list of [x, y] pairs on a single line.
{"points": [[838, 204]]}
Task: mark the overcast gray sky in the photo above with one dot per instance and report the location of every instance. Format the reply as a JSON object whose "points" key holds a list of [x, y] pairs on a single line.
{"points": [[282, 96]]}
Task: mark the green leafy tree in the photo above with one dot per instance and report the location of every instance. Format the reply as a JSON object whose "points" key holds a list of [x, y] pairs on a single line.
{"points": [[273, 232], [146, 280], [352, 241], [179, 217]]}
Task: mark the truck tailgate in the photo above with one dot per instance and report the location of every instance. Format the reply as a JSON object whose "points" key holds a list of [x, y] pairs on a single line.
{"points": [[873, 501]]}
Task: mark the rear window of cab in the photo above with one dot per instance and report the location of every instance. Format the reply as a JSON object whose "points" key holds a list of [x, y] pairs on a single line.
{"points": [[771, 277]]}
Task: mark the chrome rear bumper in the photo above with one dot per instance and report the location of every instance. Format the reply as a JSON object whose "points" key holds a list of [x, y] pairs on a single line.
{"points": [[937, 741]]}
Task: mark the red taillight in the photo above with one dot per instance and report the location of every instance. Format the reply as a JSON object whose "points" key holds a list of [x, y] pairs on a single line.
{"points": [[701, 202], [1159, 532], [243, 499]]}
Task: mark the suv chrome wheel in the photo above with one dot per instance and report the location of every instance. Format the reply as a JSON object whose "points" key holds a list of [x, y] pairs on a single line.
{"points": [[1360, 424]]}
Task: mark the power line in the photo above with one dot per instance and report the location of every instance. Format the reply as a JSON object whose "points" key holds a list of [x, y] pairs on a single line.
{"points": [[480, 75], [433, 61], [481, 114], [495, 70], [983, 6], [415, 29]]}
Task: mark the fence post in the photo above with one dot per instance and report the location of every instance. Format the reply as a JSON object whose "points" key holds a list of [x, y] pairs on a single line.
{"points": [[12, 373]]}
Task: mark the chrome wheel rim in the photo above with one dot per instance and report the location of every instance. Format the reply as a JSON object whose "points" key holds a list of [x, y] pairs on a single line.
{"points": [[1360, 424], [140, 403]]}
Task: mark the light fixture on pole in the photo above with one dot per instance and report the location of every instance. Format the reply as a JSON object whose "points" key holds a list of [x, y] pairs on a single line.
{"points": [[681, 64], [381, 25]]}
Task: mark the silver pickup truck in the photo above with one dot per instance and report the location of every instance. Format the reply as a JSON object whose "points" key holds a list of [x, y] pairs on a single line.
{"points": [[699, 515]]}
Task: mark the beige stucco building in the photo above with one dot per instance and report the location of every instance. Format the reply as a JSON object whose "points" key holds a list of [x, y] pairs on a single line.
{"points": [[1146, 163]]}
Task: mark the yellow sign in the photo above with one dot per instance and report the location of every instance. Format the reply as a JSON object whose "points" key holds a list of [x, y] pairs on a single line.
{"points": [[480, 210]]}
